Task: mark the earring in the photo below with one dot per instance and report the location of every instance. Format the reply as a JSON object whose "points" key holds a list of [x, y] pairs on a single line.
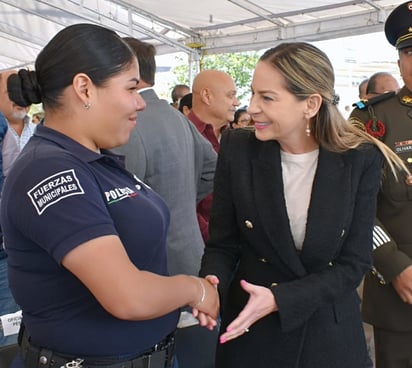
{"points": [[307, 130], [87, 105]]}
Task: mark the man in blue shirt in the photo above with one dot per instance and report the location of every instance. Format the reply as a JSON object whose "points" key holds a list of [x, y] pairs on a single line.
{"points": [[14, 134], [7, 303]]}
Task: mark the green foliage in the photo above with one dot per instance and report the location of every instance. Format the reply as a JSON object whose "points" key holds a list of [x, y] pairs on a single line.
{"points": [[239, 66], [181, 72]]}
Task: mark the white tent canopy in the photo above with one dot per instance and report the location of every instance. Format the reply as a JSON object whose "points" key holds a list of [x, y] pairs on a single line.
{"points": [[192, 26]]}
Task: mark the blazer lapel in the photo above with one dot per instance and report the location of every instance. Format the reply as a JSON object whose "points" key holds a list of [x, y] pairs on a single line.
{"points": [[271, 206], [328, 207], [327, 210]]}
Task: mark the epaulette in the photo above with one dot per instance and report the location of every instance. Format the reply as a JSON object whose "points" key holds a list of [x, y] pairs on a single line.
{"points": [[362, 104]]}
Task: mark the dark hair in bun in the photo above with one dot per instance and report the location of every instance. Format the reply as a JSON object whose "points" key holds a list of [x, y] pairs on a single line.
{"points": [[80, 48], [23, 88]]}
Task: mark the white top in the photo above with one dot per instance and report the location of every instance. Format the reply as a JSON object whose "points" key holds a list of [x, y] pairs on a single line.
{"points": [[298, 172]]}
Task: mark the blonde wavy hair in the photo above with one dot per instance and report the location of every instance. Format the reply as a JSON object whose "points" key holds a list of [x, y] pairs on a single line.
{"points": [[307, 70]]}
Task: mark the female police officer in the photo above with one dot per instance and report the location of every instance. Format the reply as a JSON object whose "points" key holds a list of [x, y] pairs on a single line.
{"points": [[85, 239]]}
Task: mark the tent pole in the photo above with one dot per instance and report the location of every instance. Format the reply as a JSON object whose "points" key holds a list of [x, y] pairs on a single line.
{"points": [[194, 65]]}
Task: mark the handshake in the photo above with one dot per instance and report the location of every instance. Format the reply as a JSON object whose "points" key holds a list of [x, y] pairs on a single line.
{"points": [[261, 302], [206, 307]]}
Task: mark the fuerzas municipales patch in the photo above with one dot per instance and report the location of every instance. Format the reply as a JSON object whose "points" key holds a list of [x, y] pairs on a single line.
{"points": [[53, 189]]}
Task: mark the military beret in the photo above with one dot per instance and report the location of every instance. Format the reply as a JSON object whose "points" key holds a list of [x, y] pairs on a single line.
{"points": [[398, 26]]}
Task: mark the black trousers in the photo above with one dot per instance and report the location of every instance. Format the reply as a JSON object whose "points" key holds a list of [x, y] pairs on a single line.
{"points": [[195, 347], [393, 349]]}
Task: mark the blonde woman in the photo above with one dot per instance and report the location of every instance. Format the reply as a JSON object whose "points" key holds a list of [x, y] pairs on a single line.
{"points": [[292, 219]]}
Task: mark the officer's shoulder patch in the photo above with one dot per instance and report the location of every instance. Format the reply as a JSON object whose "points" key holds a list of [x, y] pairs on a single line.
{"points": [[54, 188], [362, 104]]}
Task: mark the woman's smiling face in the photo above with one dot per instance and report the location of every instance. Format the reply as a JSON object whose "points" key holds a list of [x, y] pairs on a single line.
{"points": [[116, 108], [276, 112]]}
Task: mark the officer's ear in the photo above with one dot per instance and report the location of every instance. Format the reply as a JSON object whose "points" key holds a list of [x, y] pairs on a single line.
{"points": [[313, 103], [83, 87]]}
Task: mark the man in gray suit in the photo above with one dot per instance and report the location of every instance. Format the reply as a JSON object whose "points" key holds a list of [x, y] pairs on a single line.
{"points": [[168, 153]]}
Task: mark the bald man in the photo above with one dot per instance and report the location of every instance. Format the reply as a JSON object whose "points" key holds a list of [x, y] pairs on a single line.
{"points": [[381, 82], [214, 103]]}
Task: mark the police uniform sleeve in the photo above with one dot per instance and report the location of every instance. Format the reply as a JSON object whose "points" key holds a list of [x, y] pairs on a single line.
{"points": [[57, 203]]}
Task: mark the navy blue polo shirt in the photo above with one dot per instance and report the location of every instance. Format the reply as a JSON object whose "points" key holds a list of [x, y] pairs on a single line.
{"points": [[58, 195]]}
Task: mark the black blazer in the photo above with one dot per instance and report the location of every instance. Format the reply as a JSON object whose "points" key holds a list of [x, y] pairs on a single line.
{"points": [[318, 323]]}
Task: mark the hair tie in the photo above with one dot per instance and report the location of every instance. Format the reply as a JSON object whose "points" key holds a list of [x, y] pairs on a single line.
{"points": [[335, 99]]}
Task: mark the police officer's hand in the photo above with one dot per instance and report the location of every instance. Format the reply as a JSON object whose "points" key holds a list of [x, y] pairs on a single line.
{"points": [[207, 309], [403, 285], [206, 320]]}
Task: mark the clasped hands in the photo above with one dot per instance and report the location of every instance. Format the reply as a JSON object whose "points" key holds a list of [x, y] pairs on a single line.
{"points": [[261, 303], [207, 312]]}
